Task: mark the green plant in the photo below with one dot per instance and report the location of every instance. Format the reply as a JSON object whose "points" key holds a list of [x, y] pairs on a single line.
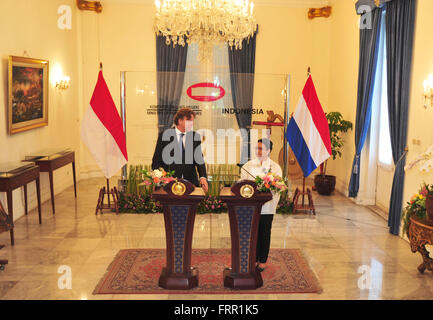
{"points": [[133, 184], [285, 205], [231, 174], [337, 126], [221, 175], [215, 183]]}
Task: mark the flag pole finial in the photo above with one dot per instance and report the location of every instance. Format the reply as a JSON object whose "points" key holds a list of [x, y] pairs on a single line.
{"points": [[309, 71], [100, 66]]}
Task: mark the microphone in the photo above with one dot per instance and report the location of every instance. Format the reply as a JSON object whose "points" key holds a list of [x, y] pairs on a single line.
{"points": [[240, 166]]}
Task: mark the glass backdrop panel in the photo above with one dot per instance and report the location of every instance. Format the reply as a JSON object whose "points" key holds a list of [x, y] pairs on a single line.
{"points": [[209, 94]]}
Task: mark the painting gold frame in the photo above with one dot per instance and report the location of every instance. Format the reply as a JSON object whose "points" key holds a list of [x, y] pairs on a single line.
{"points": [[37, 88]]}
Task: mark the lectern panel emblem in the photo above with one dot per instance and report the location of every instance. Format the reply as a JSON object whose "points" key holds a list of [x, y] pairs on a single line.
{"points": [[178, 189], [247, 191]]}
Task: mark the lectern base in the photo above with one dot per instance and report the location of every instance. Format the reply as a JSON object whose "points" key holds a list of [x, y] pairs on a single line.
{"points": [[247, 281], [178, 281]]}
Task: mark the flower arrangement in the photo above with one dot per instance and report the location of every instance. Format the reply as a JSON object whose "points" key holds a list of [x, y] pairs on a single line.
{"points": [[137, 203], [158, 177], [211, 204], [417, 205], [270, 183], [427, 190]]}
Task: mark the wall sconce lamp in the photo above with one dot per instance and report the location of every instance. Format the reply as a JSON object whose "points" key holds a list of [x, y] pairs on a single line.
{"points": [[63, 83], [428, 91], [89, 5], [319, 12]]}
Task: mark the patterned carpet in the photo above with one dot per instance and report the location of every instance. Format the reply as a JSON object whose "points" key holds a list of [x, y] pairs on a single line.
{"points": [[136, 271]]}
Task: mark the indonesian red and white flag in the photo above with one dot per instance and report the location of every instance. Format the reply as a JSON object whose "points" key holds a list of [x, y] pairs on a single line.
{"points": [[102, 131]]}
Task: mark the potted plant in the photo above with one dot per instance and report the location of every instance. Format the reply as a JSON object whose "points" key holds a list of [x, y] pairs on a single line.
{"points": [[325, 184], [420, 205], [428, 192]]}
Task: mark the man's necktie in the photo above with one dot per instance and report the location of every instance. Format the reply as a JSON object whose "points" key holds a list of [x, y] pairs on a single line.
{"points": [[181, 147]]}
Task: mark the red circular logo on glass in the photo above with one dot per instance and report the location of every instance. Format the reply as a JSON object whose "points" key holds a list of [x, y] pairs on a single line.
{"points": [[205, 92]]}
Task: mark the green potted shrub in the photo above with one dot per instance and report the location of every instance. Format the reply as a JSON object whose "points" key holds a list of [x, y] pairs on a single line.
{"points": [[325, 184]]}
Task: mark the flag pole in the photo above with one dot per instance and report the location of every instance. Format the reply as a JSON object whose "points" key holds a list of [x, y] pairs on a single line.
{"points": [[108, 181], [303, 182]]}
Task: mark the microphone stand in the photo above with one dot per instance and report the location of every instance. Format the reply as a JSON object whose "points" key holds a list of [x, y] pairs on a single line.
{"points": [[240, 166]]}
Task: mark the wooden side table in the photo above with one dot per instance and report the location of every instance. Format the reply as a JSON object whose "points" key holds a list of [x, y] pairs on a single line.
{"points": [[53, 162], [16, 178], [420, 234]]}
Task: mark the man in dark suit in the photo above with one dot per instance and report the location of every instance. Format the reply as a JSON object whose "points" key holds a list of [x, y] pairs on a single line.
{"points": [[179, 149]]}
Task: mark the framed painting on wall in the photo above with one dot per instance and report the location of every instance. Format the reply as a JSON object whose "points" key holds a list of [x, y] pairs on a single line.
{"points": [[28, 94]]}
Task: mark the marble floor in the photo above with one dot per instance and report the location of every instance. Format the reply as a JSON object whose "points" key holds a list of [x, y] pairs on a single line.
{"points": [[345, 244]]}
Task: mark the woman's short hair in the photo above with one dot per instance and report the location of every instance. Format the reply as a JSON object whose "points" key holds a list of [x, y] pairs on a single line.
{"points": [[268, 143], [182, 113]]}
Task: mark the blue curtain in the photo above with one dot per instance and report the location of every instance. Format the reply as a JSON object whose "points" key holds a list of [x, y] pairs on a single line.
{"points": [[368, 53], [400, 25], [242, 67], [170, 67]]}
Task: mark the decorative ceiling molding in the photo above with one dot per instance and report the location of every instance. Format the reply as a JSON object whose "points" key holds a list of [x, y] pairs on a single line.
{"points": [[260, 3]]}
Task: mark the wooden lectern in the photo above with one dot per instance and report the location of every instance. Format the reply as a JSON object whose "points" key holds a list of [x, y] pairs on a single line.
{"points": [[179, 200], [244, 203]]}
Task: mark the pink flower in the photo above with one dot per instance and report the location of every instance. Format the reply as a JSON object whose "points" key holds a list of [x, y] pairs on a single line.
{"points": [[424, 191], [213, 207], [267, 179]]}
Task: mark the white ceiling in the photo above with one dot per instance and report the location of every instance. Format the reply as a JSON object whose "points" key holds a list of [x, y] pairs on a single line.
{"points": [[270, 3]]}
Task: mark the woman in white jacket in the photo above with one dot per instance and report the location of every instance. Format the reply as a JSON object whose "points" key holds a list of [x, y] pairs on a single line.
{"points": [[258, 167]]}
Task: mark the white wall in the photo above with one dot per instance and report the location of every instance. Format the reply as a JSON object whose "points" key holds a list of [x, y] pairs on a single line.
{"points": [[31, 26]]}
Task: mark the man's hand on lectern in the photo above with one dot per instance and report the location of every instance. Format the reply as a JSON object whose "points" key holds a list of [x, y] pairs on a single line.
{"points": [[204, 184]]}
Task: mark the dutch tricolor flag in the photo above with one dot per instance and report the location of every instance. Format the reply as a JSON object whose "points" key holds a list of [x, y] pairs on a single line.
{"points": [[308, 131]]}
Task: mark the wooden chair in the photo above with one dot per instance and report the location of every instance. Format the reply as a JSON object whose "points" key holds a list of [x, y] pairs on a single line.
{"points": [[5, 225]]}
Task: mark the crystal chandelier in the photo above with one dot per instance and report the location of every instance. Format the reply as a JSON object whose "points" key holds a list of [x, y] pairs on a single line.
{"points": [[206, 22]]}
